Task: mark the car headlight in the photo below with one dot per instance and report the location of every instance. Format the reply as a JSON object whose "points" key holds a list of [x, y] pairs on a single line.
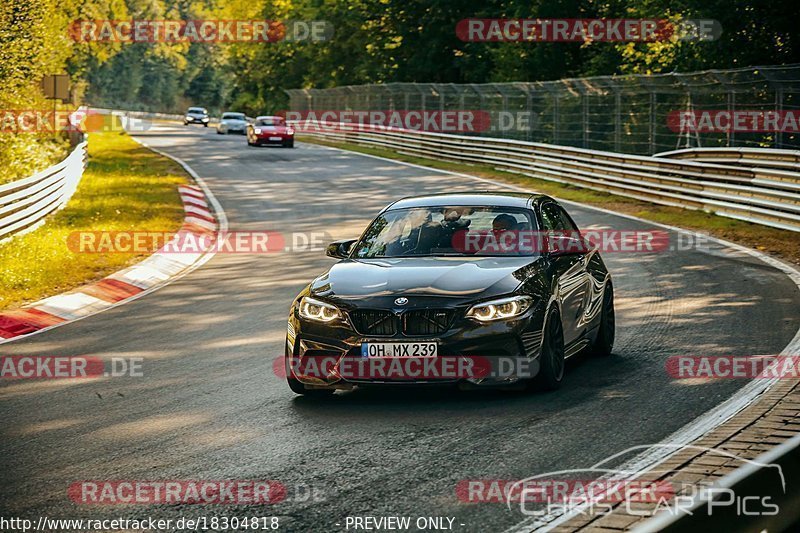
{"points": [[290, 131], [318, 311], [188, 117], [205, 119], [257, 130], [500, 309]]}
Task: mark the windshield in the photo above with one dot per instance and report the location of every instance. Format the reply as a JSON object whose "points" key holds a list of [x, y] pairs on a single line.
{"points": [[233, 116], [447, 231], [272, 121], [196, 110]]}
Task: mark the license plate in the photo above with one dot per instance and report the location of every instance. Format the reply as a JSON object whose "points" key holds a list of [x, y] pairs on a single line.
{"points": [[399, 349], [276, 138]]}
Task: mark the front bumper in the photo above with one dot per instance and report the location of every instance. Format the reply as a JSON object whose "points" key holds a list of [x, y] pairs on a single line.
{"points": [[273, 138], [195, 120], [506, 352]]}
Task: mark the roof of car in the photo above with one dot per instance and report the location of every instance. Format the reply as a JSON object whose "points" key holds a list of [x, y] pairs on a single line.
{"points": [[268, 116], [498, 199]]}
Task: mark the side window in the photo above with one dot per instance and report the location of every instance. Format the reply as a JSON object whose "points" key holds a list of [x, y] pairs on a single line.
{"points": [[551, 218], [555, 218], [566, 222]]}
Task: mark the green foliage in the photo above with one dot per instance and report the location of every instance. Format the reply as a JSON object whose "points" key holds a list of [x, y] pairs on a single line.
{"points": [[382, 41], [31, 45]]}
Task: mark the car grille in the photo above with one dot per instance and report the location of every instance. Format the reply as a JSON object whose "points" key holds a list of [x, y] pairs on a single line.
{"points": [[374, 322], [414, 322], [426, 321]]}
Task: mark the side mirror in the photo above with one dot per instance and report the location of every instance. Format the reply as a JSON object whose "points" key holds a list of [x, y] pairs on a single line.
{"points": [[340, 249]]}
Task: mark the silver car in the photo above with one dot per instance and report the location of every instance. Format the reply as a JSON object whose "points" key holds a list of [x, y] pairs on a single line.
{"points": [[232, 123], [196, 115]]}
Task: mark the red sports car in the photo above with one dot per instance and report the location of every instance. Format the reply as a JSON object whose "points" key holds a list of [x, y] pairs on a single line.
{"points": [[270, 130]]}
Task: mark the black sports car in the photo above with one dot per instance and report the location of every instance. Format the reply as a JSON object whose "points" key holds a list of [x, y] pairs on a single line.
{"points": [[455, 276]]}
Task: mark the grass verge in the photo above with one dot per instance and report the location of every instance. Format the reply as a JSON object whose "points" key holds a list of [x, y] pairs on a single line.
{"points": [[125, 187], [780, 243]]}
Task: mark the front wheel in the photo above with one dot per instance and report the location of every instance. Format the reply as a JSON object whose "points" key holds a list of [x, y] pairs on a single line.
{"points": [[604, 342], [551, 360], [289, 144]]}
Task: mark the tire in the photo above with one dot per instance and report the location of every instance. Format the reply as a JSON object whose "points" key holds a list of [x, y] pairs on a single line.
{"points": [[551, 360], [604, 342], [205, 124], [185, 123], [289, 144], [219, 132]]}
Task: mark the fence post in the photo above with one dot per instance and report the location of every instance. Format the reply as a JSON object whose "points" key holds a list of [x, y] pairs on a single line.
{"points": [[731, 106], [779, 109], [556, 115], [652, 123], [617, 121], [585, 119], [529, 105]]}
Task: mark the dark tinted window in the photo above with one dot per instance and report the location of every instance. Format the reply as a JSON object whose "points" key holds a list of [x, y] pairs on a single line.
{"points": [[448, 230], [272, 121], [554, 218]]}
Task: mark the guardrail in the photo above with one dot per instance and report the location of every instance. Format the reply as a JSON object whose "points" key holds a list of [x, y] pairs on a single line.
{"points": [[25, 203], [763, 195], [743, 500], [753, 157]]}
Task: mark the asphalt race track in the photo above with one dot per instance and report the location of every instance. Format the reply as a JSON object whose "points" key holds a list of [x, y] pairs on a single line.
{"points": [[210, 407]]}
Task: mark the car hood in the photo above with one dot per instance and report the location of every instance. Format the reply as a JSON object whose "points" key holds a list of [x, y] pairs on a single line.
{"points": [[454, 277]]}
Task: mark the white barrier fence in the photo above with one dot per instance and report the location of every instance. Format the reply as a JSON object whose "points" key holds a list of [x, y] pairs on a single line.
{"points": [[750, 157], [763, 188], [25, 203]]}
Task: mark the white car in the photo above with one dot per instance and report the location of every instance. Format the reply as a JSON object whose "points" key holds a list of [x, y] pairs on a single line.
{"points": [[196, 115], [232, 123]]}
